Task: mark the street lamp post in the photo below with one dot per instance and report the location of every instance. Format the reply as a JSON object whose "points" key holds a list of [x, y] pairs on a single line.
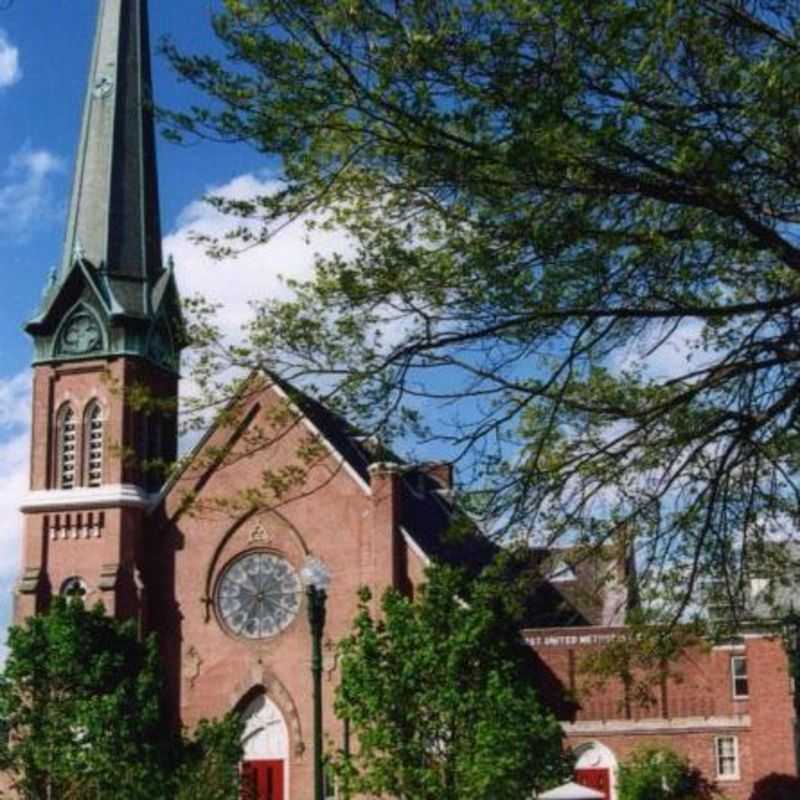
{"points": [[316, 578]]}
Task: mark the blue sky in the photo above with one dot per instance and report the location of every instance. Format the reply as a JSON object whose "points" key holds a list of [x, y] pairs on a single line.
{"points": [[44, 59]]}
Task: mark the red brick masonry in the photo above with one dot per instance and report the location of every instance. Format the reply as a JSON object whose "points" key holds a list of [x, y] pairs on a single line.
{"points": [[691, 711]]}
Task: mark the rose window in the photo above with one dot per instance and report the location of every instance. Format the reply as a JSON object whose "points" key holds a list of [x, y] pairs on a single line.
{"points": [[258, 595]]}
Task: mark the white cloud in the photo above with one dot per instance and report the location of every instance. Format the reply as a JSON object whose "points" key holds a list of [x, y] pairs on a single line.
{"points": [[15, 407], [26, 192], [670, 358], [14, 456], [254, 275], [15, 401], [10, 69]]}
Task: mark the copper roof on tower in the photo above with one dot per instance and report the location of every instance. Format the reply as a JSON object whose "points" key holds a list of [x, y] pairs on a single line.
{"points": [[114, 213], [112, 264]]}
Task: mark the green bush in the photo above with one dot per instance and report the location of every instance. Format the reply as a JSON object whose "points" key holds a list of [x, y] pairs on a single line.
{"points": [[653, 773]]}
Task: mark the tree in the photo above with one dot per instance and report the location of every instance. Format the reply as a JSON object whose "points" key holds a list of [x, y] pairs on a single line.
{"points": [[80, 699], [208, 767], [642, 659], [439, 694], [653, 773], [544, 201]]}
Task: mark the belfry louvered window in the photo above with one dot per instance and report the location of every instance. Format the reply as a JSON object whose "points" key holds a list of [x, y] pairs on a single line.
{"points": [[93, 433], [67, 447]]}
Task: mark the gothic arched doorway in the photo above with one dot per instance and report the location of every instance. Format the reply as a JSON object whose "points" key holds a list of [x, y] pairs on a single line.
{"points": [[266, 751]]}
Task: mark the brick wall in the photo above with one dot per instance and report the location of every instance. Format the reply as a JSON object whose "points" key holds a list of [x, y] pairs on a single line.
{"points": [[689, 710]]}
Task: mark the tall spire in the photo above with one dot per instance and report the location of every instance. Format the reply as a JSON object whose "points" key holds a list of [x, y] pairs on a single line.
{"points": [[111, 294], [114, 215]]}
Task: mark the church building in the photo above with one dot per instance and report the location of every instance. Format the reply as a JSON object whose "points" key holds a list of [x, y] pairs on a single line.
{"points": [[218, 581], [213, 558]]}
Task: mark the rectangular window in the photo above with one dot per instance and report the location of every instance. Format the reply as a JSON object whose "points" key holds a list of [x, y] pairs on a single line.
{"points": [[741, 690], [726, 751]]}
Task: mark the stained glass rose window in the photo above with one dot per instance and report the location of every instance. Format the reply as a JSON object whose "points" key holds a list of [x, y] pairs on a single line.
{"points": [[258, 595]]}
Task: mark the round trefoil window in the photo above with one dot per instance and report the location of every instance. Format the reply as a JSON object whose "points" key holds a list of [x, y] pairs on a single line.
{"points": [[258, 595]]}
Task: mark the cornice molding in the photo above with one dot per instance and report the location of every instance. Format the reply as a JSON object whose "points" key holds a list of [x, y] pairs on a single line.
{"points": [[125, 495], [656, 726]]}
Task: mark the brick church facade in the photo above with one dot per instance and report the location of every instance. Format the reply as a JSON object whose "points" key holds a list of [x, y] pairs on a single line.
{"points": [[217, 577]]}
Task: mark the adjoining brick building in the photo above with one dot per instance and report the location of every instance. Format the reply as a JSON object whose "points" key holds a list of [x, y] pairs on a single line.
{"points": [[218, 580], [729, 706]]}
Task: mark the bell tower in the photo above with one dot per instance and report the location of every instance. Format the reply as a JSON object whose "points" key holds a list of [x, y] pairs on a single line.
{"points": [[107, 340]]}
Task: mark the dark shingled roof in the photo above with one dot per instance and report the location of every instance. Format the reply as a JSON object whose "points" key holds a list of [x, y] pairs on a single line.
{"points": [[427, 515], [567, 587], [342, 436], [438, 526]]}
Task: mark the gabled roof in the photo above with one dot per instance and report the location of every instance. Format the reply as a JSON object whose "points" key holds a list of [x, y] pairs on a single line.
{"points": [[438, 526], [427, 515], [589, 587], [61, 295], [336, 430]]}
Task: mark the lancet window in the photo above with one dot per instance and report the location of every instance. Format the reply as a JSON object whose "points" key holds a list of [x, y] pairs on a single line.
{"points": [[93, 437], [67, 447]]}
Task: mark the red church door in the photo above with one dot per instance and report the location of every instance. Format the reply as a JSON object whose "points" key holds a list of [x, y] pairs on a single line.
{"points": [[599, 779], [262, 780]]}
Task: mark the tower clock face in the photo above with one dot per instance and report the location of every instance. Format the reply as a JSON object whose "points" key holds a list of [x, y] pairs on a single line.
{"points": [[258, 595], [81, 335]]}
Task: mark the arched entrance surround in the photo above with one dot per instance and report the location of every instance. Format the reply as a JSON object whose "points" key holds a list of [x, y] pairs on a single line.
{"points": [[596, 767], [265, 762]]}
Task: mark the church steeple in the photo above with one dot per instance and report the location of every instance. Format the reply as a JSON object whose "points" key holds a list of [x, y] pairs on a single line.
{"points": [[107, 340], [112, 262], [114, 215]]}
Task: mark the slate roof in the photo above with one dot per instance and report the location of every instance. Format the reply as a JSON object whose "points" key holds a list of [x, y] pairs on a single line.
{"points": [[342, 436], [577, 587], [591, 591], [427, 513]]}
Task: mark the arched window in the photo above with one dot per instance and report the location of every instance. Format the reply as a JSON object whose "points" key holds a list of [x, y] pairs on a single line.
{"points": [[93, 444], [74, 588], [67, 432]]}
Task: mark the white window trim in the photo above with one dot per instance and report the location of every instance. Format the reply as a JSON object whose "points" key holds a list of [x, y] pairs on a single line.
{"points": [[736, 696], [736, 775], [67, 415], [93, 448]]}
